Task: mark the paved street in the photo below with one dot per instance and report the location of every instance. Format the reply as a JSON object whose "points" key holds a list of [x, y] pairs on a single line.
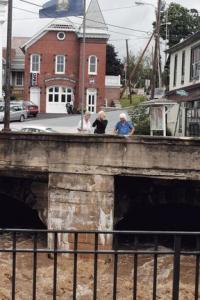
{"points": [[64, 123]]}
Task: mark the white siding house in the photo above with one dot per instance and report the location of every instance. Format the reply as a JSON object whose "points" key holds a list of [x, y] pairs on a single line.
{"points": [[184, 85], [183, 71]]}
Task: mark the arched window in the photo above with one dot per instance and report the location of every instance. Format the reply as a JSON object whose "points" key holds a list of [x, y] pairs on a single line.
{"points": [[92, 65], [35, 63]]}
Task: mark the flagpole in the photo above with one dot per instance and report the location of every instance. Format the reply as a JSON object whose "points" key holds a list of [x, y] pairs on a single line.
{"points": [[83, 66]]}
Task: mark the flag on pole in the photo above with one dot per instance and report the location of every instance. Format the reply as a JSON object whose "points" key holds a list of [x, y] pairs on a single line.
{"points": [[62, 8]]}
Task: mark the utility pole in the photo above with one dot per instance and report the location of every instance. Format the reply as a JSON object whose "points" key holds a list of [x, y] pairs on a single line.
{"points": [[156, 50], [166, 32], [3, 5], [128, 71], [136, 67], [8, 69]]}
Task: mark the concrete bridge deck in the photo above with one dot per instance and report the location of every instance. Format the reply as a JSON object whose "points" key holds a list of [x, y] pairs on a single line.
{"points": [[80, 170]]}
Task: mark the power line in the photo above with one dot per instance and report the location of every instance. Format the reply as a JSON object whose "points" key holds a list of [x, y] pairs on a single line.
{"points": [[109, 9], [26, 10], [28, 2], [112, 25], [109, 30], [117, 26], [119, 8]]}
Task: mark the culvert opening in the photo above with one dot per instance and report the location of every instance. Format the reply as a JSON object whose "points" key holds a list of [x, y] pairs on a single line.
{"points": [[152, 204], [22, 203]]}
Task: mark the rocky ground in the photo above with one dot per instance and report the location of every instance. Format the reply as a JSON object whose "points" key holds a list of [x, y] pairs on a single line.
{"points": [[85, 278]]}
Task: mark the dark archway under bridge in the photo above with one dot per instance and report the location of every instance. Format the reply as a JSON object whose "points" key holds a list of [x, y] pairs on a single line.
{"points": [[155, 204], [23, 200]]}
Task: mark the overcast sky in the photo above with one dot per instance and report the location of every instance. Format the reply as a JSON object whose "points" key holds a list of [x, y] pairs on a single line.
{"points": [[123, 13]]}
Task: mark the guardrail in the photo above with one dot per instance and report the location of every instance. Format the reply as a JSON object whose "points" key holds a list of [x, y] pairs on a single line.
{"points": [[89, 248]]}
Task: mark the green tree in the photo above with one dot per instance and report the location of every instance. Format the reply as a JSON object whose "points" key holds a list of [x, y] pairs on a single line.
{"points": [[184, 22], [114, 65]]}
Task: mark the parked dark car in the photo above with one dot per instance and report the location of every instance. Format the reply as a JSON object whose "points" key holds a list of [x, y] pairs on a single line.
{"points": [[30, 107]]}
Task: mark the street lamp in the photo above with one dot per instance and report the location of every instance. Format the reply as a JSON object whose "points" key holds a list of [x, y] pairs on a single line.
{"points": [[144, 3]]}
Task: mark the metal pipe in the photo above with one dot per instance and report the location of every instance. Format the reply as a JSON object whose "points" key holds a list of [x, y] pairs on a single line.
{"points": [[8, 69], [83, 66]]}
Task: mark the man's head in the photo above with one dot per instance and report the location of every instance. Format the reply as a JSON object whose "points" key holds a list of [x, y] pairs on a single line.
{"points": [[123, 117]]}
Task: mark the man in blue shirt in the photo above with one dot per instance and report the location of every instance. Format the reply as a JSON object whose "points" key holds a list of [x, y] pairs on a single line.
{"points": [[123, 127]]}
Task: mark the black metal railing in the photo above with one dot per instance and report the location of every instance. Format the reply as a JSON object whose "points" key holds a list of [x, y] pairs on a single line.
{"points": [[84, 263]]}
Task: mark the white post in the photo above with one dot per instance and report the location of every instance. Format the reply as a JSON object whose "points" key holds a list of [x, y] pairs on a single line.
{"points": [[164, 122], [3, 4]]}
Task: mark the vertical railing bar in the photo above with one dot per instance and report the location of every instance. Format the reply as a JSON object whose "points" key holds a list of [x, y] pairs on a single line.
{"points": [[176, 273], [115, 276], [197, 279], [95, 267], [155, 269], [55, 265], [75, 265], [13, 264], [135, 270], [34, 264], [196, 293]]}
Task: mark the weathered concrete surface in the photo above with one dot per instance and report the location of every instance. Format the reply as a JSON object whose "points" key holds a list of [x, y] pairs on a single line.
{"points": [[109, 155], [81, 170]]}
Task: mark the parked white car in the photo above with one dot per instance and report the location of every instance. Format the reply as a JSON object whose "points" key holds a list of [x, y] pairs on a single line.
{"points": [[17, 113], [37, 129]]}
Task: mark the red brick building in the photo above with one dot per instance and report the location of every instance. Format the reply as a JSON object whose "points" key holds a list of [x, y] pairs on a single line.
{"points": [[54, 60]]}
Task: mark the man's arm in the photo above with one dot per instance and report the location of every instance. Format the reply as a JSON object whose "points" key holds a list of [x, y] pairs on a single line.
{"points": [[115, 131], [132, 128], [132, 131]]}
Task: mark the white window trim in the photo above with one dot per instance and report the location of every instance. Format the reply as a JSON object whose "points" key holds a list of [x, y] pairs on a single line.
{"points": [[89, 63], [56, 61], [195, 65], [59, 93], [91, 92], [31, 64], [16, 79], [58, 36]]}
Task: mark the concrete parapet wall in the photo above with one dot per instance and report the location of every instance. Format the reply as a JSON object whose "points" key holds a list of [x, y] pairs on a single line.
{"points": [[99, 155]]}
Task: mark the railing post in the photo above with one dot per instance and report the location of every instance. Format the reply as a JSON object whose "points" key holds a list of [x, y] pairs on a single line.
{"points": [[75, 264], [176, 275], [14, 241], [95, 266], [55, 265]]}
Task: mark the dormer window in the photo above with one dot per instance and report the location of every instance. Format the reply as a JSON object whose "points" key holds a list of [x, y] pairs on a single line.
{"points": [[92, 65], [60, 64], [35, 63]]}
